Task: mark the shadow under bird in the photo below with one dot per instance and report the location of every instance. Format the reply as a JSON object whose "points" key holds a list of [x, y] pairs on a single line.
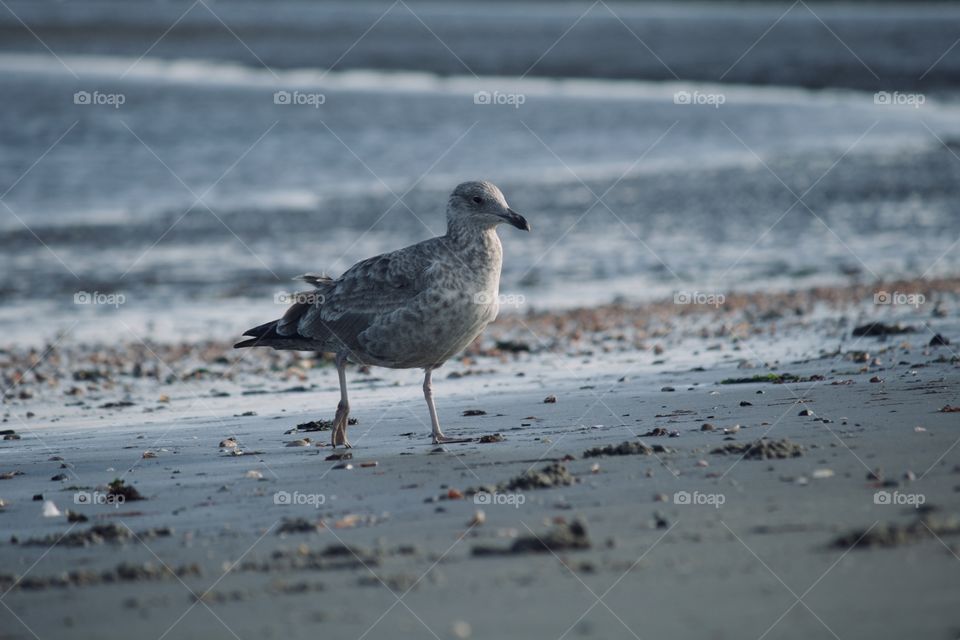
{"points": [[411, 308]]}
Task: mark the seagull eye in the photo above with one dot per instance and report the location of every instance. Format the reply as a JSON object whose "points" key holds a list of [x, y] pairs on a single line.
{"points": [[478, 199]]}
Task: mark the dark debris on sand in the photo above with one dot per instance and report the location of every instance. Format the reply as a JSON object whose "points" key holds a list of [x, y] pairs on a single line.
{"points": [[124, 572], [98, 534], [298, 525], [316, 425], [888, 535], [562, 537], [762, 449], [553, 475], [626, 448], [120, 489], [331, 558], [880, 329]]}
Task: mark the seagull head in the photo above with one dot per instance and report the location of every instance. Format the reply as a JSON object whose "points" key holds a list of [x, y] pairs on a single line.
{"points": [[482, 204]]}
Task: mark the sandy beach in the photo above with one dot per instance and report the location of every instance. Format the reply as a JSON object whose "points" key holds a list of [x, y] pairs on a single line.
{"points": [[664, 471]]}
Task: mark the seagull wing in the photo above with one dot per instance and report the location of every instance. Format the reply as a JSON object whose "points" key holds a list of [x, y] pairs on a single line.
{"points": [[363, 296]]}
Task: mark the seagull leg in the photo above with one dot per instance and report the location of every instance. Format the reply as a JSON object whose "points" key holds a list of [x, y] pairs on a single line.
{"points": [[339, 435], [438, 436]]}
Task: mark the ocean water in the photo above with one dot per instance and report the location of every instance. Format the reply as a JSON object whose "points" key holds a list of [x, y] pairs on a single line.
{"points": [[182, 177]]}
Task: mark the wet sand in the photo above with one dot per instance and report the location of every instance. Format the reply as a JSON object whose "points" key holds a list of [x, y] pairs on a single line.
{"points": [[662, 471]]}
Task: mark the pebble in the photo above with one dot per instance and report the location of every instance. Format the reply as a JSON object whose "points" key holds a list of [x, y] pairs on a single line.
{"points": [[550, 399], [461, 630], [820, 474], [253, 474], [706, 426], [148, 454]]}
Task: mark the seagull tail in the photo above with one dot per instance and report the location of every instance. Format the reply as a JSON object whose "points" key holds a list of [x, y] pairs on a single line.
{"points": [[261, 335]]}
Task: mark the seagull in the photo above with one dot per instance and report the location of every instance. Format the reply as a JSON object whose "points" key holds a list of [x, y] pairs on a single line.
{"points": [[413, 308]]}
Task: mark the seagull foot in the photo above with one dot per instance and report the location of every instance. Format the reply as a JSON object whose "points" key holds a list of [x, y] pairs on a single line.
{"points": [[340, 422]]}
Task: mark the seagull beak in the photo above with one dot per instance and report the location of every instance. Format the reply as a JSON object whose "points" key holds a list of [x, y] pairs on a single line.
{"points": [[514, 219]]}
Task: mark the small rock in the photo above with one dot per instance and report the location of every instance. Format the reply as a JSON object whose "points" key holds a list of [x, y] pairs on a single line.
{"points": [[938, 341], [550, 399]]}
